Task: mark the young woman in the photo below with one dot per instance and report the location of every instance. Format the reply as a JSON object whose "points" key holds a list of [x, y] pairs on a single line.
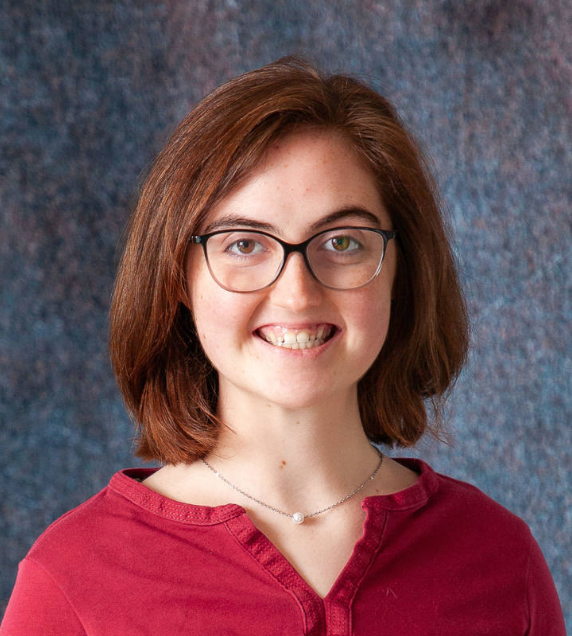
{"points": [[287, 296]]}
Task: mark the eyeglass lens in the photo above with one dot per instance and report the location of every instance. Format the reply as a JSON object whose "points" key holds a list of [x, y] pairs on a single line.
{"points": [[343, 258]]}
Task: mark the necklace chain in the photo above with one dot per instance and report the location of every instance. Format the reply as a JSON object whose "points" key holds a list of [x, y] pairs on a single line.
{"points": [[298, 517]]}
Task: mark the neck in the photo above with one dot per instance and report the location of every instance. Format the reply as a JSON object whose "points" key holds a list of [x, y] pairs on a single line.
{"points": [[295, 458]]}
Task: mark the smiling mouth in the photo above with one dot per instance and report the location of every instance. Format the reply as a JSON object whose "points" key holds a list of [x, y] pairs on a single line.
{"points": [[303, 338]]}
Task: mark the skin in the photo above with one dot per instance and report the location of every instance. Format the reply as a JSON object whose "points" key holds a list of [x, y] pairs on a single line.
{"points": [[294, 437]]}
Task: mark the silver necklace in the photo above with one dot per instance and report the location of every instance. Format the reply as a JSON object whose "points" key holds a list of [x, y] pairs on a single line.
{"points": [[298, 517]]}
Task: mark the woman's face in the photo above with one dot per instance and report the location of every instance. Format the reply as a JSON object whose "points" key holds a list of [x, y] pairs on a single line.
{"points": [[304, 179]]}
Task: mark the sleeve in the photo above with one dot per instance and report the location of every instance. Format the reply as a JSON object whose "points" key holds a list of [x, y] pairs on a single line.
{"points": [[544, 610], [38, 607]]}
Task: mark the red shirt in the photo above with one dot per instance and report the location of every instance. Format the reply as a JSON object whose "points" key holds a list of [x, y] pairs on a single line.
{"points": [[437, 559]]}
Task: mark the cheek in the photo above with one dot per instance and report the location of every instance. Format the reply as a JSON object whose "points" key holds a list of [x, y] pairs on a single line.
{"points": [[206, 312], [375, 319], [370, 317], [221, 317], [216, 321], [379, 308]]}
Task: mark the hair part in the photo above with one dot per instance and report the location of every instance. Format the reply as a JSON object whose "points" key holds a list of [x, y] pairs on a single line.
{"points": [[169, 386]]}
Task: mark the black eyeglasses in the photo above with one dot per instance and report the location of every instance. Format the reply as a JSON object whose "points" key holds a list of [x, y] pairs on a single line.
{"points": [[249, 260]]}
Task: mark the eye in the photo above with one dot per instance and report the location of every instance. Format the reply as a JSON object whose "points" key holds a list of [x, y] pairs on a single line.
{"points": [[245, 246], [342, 243]]}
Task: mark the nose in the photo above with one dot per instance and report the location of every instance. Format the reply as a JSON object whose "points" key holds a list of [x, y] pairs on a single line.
{"points": [[296, 289]]}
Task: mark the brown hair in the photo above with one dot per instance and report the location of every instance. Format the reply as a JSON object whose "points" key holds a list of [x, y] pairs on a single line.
{"points": [[168, 384]]}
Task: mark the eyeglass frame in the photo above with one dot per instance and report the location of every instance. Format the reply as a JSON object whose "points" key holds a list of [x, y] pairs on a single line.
{"points": [[290, 248]]}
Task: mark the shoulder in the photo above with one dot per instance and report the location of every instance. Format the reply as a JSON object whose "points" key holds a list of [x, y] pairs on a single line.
{"points": [[471, 500], [75, 527], [458, 524], [118, 524], [477, 546], [503, 543], [466, 510], [85, 529]]}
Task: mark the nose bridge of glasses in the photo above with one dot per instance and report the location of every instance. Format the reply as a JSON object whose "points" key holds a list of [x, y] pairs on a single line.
{"points": [[291, 250], [295, 287]]}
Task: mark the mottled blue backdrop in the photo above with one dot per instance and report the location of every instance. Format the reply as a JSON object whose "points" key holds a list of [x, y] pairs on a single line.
{"points": [[89, 92]]}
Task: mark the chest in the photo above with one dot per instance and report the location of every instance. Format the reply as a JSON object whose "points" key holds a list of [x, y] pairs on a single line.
{"points": [[231, 578]]}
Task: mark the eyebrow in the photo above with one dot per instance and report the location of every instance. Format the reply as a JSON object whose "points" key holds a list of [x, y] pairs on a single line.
{"points": [[232, 220]]}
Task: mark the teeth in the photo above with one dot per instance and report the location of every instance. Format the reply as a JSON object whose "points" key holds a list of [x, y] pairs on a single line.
{"points": [[293, 339]]}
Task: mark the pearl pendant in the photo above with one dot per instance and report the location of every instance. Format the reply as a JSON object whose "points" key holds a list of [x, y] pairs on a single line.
{"points": [[298, 518]]}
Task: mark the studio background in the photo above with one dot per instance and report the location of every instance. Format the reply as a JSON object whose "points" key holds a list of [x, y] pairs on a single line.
{"points": [[89, 92]]}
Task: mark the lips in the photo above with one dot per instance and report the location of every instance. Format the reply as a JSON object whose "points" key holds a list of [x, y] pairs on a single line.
{"points": [[307, 337]]}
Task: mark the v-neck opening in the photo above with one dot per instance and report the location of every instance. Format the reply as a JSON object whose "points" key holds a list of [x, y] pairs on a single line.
{"points": [[335, 607], [284, 571]]}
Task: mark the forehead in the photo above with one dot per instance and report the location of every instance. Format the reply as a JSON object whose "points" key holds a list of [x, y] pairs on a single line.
{"points": [[302, 178]]}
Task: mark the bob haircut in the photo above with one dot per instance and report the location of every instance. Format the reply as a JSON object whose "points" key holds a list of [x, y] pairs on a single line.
{"points": [[169, 386]]}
